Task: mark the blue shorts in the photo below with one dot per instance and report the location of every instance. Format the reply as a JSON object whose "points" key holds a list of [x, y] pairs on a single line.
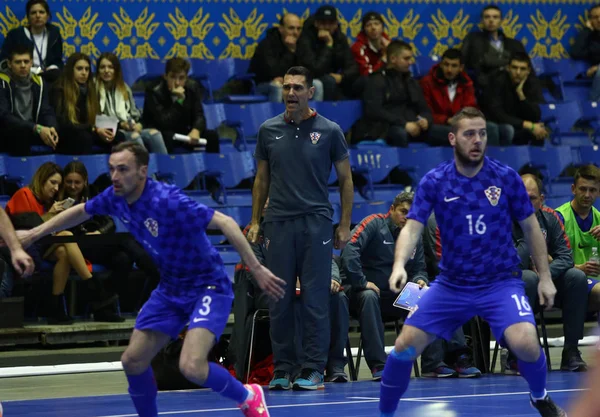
{"points": [[446, 307], [592, 283], [208, 308]]}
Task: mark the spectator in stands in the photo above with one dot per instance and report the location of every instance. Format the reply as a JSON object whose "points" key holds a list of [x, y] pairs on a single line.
{"points": [[571, 283], [587, 47], [249, 298], [454, 354], [488, 52], [112, 256], [369, 49], [514, 98], [32, 205], [277, 52], [326, 53], [447, 89], [582, 226], [116, 100], [26, 117], [76, 104], [394, 106], [42, 37], [173, 105]]}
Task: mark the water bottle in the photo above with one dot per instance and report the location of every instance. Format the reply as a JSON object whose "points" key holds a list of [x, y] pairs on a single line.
{"points": [[594, 258]]}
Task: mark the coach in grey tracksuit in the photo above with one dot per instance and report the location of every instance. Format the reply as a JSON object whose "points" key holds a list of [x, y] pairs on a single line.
{"points": [[295, 152], [367, 261]]}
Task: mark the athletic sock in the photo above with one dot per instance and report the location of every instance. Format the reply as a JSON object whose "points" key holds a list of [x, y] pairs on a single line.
{"points": [[395, 379], [535, 374], [221, 381], [142, 389]]}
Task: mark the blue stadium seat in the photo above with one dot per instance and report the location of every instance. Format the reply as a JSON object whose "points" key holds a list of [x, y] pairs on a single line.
{"points": [[20, 170], [551, 160], [565, 72], [374, 163], [139, 98], [578, 91], [515, 157], [555, 202], [137, 69], [418, 161], [180, 169], [214, 74], [230, 169], [96, 165], [590, 115], [560, 118], [362, 210], [228, 254], [345, 113], [537, 63], [589, 155], [247, 118], [214, 114], [424, 64]]}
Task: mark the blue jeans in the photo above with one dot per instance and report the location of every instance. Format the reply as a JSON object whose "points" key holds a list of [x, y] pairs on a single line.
{"points": [[151, 139], [6, 279], [595, 90]]}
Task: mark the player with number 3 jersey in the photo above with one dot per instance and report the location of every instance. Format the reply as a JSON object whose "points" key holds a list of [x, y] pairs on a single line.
{"points": [[194, 287], [475, 200]]}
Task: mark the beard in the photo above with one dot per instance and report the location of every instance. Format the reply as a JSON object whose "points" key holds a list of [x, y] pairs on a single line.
{"points": [[464, 158]]}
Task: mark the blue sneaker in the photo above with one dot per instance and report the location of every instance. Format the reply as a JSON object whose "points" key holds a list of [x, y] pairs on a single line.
{"points": [[280, 382], [440, 372], [309, 379], [465, 368], [377, 373]]}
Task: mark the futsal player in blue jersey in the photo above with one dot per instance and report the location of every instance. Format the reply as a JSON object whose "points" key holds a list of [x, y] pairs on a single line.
{"points": [[194, 287], [475, 200]]}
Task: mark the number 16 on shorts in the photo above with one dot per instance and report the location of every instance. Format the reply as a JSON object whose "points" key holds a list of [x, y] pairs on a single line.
{"points": [[522, 305]]}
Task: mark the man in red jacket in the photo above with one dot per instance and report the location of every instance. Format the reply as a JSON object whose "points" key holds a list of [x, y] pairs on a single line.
{"points": [[447, 89]]}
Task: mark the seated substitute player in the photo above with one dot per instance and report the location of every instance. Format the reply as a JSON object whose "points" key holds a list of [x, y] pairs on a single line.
{"points": [[194, 287], [475, 200]]}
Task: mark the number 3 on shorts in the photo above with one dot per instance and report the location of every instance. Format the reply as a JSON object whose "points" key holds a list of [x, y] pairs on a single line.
{"points": [[206, 300], [522, 305]]}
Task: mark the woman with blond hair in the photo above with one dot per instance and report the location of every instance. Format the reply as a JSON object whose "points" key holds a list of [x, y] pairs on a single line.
{"points": [[76, 104], [116, 100], [31, 206]]}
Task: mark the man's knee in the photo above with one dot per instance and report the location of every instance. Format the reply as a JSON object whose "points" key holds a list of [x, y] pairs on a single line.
{"points": [[193, 368], [153, 131], [133, 365], [411, 342], [576, 278], [523, 341]]}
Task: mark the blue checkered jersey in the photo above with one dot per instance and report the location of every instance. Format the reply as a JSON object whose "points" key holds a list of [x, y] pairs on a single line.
{"points": [[474, 216], [172, 228]]}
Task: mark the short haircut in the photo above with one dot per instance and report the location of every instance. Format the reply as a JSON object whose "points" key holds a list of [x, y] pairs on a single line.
{"points": [[465, 113], [41, 176], [283, 17], [176, 65], [404, 197], [397, 46], [302, 71], [538, 181], [521, 57], [20, 49], [588, 172], [595, 6], [491, 7], [142, 157], [453, 53], [43, 3]]}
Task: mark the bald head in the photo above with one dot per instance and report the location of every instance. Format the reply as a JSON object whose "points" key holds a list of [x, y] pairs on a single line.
{"points": [[290, 28], [534, 187]]}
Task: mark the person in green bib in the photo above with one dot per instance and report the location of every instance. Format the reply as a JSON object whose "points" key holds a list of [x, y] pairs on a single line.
{"points": [[582, 225]]}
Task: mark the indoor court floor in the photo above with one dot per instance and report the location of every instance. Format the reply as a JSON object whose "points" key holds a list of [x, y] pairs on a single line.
{"points": [[489, 396]]}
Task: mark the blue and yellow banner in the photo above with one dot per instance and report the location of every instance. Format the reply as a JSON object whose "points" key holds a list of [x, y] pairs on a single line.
{"points": [[216, 29]]}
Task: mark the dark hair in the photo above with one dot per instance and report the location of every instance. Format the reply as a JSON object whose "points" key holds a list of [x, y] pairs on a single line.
{"points": [[302, 71], [588, 172], [491, 7], [176, 65], [76, 167], [521, 57], [396, 46], [142, 157], [595, 6], [43, 174], [118, 81], [43, 3], [20, 49], [453, 53], [69, 91], [465, 113], [404, 197]]}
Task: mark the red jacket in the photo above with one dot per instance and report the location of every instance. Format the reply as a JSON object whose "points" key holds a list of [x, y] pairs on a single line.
{"points": [[368, 60], [435, 90]]}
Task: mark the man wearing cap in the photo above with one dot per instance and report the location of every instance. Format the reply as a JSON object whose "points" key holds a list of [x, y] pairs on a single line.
{"points": [[326, 53], [369, 50]]}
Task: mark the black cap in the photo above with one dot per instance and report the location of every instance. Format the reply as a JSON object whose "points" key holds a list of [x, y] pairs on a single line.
{"points": [[371, 16], [328, 13]]}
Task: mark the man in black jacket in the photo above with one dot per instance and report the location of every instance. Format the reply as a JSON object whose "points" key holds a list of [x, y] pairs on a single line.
{"points": [[486, 53], [326, 53], [275, 54], [514, 99], [587, 47], [26, 117], [174, 105], [394, 105], [571, 283]]}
